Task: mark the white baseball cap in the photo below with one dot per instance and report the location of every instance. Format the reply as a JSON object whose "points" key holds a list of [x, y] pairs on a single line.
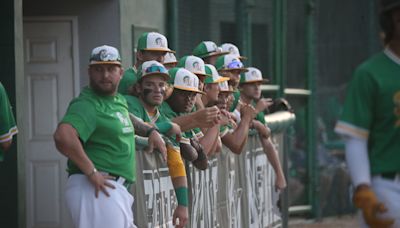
{"points": [[153, 41], [105, 55], [152, 67], [232, 49], [229, 62], [183, 79], [224, 87], [215, 77], [252, 75], [193, 64], [207, 49], [169, 58]]}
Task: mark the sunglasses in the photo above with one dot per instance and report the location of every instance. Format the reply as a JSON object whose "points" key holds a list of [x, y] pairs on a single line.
{"points": [[155, 68], [235, 64]]}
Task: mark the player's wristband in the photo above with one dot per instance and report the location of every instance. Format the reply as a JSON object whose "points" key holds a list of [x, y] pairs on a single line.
{"points": [[182, 196], [92, 173], [150, 130]]}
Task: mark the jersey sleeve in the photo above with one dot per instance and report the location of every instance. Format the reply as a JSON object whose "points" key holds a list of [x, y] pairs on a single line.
{"points": [[128, 79], [81, 115], [7, 121], [357, 112], [134, 106], [261, 117]]}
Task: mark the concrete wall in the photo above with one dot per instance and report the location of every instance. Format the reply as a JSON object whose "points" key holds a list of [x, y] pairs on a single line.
{"points": [[98, 23]]}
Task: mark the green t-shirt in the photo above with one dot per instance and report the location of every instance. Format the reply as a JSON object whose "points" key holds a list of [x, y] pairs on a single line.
{"points": [[372, 111], [7, 121], [129, 78], [159, 120], [106, 132], [260, 116]]}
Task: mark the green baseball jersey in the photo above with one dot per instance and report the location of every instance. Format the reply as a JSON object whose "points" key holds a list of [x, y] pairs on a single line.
{"points": [[7, 121], [260, 116], [128, 79], [106, 132], [372, 111], [159, 119]]}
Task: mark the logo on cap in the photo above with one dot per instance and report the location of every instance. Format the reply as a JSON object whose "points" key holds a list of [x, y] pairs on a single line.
{"points": [[196, 66], [187, 81], [160, 42]]}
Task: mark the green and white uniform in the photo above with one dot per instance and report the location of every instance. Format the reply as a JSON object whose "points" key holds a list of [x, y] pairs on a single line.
{"points": [[128, 79], [7, 121], [106, 132], [259, 116]]}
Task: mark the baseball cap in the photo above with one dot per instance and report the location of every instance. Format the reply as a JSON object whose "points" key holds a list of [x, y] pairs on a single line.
{"points": [[183, 79], [387, 5], [152, 67], [153, 41], [105, 55], [215, 77], [193, 64], [229, 62], [252, 75], [169, 58], [224, 87], [232, 49], [207, 49]]}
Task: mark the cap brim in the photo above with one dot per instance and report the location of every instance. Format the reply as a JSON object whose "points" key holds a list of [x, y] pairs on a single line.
{"points": [[241, 69], [253, 81], [225, 91], [105, 62], [171, 63], [242, 57], [188, 89], [201, 74], [221, 79], [215, 54], [166, 76], [159, 49]]}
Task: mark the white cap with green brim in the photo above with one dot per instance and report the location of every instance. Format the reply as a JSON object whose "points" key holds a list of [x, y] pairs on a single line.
{"points": [[253, 75], [105, 55], [193, 64], [153, 41], [216, 78], [224, 87], [183, 79], [228, 63], [207, 49], [152, 68], [232, 49], [169, 58]]}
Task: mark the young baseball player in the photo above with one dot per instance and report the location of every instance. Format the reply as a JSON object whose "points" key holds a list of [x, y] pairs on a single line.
{"points": [[370, 123], [97, 136]]}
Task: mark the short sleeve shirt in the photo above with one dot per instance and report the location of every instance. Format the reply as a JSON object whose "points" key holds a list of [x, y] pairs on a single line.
{"points": [[8, 127], [106, 132], [128, 79]]}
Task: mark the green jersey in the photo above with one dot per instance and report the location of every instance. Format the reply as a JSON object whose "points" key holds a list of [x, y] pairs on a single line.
{"points": [[129, 79], [372, 111], [106, 132], [7, 121]]}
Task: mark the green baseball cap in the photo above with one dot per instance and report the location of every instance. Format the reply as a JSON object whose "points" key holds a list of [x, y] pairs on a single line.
{"points": [[229, 62], [215, 77], [183, 79], [105, 55], [150, 68], [252, 75], [232, 49], [193, 64], [153, 41], [208, 49]]}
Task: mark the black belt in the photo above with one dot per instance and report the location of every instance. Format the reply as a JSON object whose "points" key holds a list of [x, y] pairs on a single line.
{"points": [[127, 184], [389, 175]]}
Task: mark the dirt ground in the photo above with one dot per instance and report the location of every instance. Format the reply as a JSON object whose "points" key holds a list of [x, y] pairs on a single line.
{"points": [[348, 221]]}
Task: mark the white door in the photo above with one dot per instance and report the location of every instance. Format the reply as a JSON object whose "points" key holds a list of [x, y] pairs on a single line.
{"points": [[49, 80]]}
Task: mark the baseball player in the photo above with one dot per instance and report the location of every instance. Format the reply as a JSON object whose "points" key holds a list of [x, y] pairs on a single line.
{"points": [[151, 46], [208, 51], [370, 123], [7, 123], [250, 91], [152, 79], [97, 136]]}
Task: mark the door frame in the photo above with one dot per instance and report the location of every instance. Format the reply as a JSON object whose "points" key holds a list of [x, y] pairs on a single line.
{"points": [[22, 104]]}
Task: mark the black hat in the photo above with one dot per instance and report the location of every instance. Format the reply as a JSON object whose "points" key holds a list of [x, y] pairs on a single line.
{"points": [[387, 5]]}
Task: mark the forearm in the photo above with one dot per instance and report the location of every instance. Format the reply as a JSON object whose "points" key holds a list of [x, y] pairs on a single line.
{"points": [[272, 155], [6, 145], [186, 122], [209, 139], [68, 143], [178, 175], [358, 161], [241, 134], [141, 128]]}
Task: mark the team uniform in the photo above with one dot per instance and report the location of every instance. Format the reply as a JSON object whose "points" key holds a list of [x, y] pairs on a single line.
{"points": [[128, 79], [7, 122], [107, 136], [372, 112]]}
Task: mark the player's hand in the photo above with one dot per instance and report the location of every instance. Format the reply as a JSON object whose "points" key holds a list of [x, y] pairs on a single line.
{"points": [[263, 103], [365, 199], [176, 131], [181, 213], [100, 183], [260, 128], [247, 111], [206, 117], [224, 118], [157, 143], [280, 183]]}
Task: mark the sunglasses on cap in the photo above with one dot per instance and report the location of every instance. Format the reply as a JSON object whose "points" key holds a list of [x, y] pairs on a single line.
{"points": [[235, 64], [155, 68]]}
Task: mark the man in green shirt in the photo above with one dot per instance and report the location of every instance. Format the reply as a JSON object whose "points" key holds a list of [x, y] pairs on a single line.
{"points": [[370, 124], [151, 46], [7, 123], [97, 136], [152, 80]]}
